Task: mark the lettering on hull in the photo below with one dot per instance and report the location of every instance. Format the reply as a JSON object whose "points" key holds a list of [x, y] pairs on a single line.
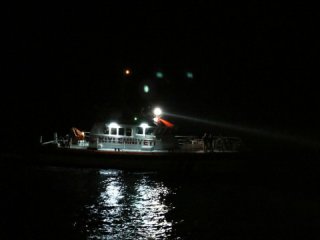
{"points": [[129, 141]]}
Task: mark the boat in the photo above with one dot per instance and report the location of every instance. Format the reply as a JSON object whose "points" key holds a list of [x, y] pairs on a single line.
{"points": [[156, 136], [152, 145]]}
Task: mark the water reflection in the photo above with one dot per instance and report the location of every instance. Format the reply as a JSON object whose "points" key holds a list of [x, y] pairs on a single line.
{"points": [[129, 207], [61, 203]]}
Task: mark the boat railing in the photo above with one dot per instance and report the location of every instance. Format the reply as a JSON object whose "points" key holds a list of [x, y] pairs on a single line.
{"points": [[219, 143], [187, 139], [222, 143]]}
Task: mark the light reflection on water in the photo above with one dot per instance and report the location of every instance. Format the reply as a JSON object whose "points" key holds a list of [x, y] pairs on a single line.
{"points": [[65, 203], [129, 207]]}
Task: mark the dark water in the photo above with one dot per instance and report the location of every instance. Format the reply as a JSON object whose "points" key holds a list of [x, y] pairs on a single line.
{"points": [[71, 203]]}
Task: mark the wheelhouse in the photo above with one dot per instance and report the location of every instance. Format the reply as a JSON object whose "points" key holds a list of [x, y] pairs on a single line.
{"points": [[124, 136], [123, 130]]}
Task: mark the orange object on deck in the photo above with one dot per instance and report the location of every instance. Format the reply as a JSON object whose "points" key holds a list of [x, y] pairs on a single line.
{"points": [[165, 122], [78, 134]]}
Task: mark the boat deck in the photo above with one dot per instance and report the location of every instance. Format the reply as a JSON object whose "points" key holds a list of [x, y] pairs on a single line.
{"points": [[189, 149]]}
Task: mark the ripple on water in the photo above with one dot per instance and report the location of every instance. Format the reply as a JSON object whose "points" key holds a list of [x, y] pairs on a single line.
{"points": [[129, 207]]}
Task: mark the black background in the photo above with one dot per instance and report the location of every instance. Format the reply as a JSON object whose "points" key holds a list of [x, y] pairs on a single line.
{"points": [[255, 64]]}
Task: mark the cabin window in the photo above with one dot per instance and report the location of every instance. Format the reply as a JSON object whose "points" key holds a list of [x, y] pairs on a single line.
{"points": [[113, 131], [121, 131], [139, 130], [106, 130], [128, 132], [149, 131]]}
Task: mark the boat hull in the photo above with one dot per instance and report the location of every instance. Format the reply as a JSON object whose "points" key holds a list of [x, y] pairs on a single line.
{"points": [[141, 161], [242, 164]]}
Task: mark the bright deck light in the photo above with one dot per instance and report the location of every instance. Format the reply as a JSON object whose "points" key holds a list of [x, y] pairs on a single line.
{"points": [[113, 125], [144, 125], [157, 111]]}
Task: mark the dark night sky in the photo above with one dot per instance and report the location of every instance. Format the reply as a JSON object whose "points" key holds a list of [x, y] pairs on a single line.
{"points": [[254, 64]]}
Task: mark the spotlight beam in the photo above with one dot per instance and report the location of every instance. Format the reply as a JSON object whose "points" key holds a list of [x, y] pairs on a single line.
{"points": [[249, 130]]}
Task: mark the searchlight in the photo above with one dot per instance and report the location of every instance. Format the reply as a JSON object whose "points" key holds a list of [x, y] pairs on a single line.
{"points": [[157, 111]]}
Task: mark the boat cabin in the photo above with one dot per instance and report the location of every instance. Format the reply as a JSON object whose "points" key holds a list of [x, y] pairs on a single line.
{"points": [[142, 137]]}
